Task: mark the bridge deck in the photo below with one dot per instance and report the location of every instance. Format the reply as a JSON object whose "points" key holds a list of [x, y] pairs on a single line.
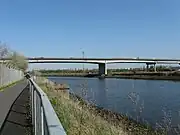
{"points": [[13, 112]]}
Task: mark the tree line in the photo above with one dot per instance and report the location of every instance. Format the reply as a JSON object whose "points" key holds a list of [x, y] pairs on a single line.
{"points": [[151, 68]]}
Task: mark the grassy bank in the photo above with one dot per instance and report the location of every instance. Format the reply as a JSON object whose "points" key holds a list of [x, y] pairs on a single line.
{"points": [[79, 118], [10, 85]]}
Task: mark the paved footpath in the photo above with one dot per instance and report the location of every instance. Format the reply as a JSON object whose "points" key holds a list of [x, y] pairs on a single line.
{"points": [[13, 110]]}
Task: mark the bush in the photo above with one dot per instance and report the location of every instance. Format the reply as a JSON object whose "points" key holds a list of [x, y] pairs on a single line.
{"points": [[19, 61]]}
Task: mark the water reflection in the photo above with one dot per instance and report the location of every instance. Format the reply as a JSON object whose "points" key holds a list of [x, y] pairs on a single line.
{"points": [[102, 93]]}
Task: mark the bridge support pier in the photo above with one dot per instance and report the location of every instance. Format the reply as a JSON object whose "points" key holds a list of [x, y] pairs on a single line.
{"points": [[148, 64], [155, 67], [147, 67], [102, 69]]}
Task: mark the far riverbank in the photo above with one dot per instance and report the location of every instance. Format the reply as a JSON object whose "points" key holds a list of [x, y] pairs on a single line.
{"points": [[145, 76], [169, 78]]}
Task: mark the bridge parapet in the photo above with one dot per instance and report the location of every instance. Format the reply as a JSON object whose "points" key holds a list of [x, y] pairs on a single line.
{"points": [[99, 60]]}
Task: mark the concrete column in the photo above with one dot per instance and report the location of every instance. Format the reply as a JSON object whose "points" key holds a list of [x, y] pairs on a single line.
{"points": [[102, 69], [154, 67], [147, 67]]}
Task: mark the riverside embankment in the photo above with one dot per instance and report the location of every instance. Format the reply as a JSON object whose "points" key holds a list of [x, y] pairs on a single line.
{"points": [[145, 77], [80, 117]]}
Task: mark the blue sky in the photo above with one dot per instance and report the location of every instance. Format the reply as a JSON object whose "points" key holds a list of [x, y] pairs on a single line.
{"points": [[100, 28]]}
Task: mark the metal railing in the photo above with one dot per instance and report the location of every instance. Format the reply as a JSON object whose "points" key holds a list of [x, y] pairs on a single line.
{"points": [[9, 75], [44, 118]]}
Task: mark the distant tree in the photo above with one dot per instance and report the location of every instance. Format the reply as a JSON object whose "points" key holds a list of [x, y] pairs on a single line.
{"points": [[19, 61], [4, 51]]}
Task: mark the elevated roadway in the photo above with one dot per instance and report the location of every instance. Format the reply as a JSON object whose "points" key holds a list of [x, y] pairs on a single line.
{"points": [[102, 61]]}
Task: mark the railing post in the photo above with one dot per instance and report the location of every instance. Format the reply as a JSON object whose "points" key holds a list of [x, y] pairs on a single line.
{"points": [[42, 120], [35, 115], [32, 102], [1, 74]]}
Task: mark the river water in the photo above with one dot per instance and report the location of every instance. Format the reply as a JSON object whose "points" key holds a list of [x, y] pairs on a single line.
{"points": [[151, 100]]}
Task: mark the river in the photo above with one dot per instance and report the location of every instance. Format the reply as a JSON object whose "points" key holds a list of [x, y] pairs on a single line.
{"points": [[149, 99]]}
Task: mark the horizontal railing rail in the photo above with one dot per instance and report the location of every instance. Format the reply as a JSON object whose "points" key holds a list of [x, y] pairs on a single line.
{"points": [[44, 118]]}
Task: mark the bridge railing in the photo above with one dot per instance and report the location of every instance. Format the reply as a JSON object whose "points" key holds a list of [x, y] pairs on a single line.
{"points": [[44, 118]]}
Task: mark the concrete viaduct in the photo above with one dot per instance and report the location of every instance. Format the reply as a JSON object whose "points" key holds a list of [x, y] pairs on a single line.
{"points": [[103, 61]]}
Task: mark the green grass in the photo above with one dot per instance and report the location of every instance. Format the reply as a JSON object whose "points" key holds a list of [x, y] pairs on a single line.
{"points": [[10, 85]]}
